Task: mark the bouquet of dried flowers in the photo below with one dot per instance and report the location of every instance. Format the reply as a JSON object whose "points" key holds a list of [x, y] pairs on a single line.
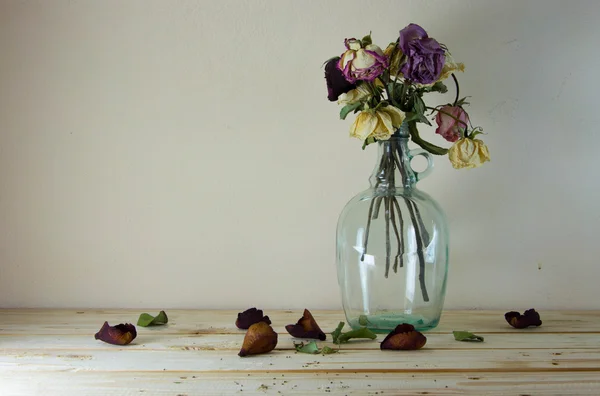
{"points": [[386, 88]]}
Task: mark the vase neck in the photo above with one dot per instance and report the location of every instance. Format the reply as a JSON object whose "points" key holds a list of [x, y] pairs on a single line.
{"points": [[392, 169]]}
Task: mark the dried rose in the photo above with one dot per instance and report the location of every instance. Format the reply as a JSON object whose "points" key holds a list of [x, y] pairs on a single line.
{"points": [[452, 122], [249, 317], [121, 334], [404, 337], [379, 124], [425, 57], [306, 327], [468, 153], [362, 63], [337, 84], [260, 338], [518, 321]]}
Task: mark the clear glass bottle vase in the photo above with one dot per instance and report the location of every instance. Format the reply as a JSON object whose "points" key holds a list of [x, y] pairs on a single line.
{"points": [[392, 246]]}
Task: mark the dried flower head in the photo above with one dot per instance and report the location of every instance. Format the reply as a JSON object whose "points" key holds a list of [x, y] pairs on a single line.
{"points": [[518, 321], [249, 317], [121, 334], [306, 327], [404, 337], [260, 338]]}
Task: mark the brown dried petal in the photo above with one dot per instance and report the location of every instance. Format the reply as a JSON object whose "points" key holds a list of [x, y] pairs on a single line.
{"points": [[249, 317], [518, 321], [404, 337], [306, 327], [260, 338], [121, 334]]}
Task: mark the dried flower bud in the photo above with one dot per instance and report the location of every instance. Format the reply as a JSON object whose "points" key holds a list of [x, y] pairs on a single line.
{"points": [[404, 337], [249, 317], [121, 334], [518, 321], [260, 338], [306, 327]]}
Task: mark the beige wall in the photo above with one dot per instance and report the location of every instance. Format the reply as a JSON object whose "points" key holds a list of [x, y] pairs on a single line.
{"points": [[184, 154]]}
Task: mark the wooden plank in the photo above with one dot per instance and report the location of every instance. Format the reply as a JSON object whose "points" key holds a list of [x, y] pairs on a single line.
{"points": [[188, 384], [191, 322], [155, 339], [365, 361]]}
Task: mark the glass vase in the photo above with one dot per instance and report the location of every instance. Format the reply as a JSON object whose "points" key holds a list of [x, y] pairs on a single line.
{"points": [[392, 246]]}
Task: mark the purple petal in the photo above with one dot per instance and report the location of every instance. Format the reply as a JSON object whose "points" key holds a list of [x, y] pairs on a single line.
{"points": [[410, 33]]}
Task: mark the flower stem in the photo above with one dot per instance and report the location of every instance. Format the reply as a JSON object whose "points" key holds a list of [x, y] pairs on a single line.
{"points": [[457, 88], [413, 220], [388, 247]]}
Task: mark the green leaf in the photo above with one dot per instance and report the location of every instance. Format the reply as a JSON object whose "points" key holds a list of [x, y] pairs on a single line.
{"points": [[366, 40], [310, 347], [327, 350], [363, 332], [419, 109], [466, 336], [146, 320], [368, 141], [348, 108], [432, 148], [337, 332], [363, 320], [439, 87]]}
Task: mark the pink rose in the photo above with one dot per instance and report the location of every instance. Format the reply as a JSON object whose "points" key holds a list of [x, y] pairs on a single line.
{"points": [[452, 121]]}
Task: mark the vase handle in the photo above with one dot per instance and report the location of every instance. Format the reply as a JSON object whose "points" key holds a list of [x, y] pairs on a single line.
{"points": [[421, 175]]}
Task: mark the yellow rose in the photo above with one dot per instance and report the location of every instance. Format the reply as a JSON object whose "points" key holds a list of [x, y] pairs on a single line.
{"points": [[450, 66], [468, 153], [395, 59], [380, 124], [355, 95]]}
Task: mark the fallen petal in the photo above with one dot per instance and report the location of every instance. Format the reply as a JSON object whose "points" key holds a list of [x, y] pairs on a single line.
{"points": [[260, 338], [121, 334], [404, 337], [249, 317], [518, 321], [306, 327]]}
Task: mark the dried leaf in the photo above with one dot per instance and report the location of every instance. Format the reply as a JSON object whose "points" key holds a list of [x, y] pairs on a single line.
{"points": [[121, 334], [249, 317], [327, 350], [260, 338], [404, 337], [518, 321], [312, 348], [466, 336], [306, 327], [146, 320]]}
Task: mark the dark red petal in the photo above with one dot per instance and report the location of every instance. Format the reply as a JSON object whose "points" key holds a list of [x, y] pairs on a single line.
{"points": [[249, 317], [121, 334], [306, 327]]}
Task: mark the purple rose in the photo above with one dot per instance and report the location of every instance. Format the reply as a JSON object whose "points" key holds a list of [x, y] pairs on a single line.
{"points": [[362, 63], [452, 121], [336, 82], [425, 57]]}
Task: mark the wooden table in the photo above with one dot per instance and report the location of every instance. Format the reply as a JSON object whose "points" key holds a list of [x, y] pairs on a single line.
{"points": [[53, 352]]}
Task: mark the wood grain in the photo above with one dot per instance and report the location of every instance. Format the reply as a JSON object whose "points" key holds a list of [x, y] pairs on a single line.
{"points": [[53, 352]]}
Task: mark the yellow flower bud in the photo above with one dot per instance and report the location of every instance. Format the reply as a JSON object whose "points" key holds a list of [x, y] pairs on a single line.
{"points": [[380, 124], [450, 66], [394, 55], [468, 153]]}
